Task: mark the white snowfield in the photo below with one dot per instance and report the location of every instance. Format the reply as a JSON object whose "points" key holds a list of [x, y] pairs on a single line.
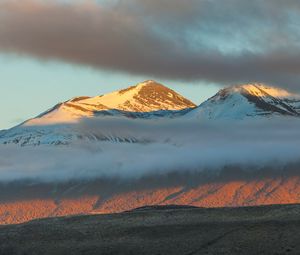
{"points": [[149, 101]]}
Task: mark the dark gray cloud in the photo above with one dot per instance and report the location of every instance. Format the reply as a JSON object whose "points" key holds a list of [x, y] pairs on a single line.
{"points": [[225, 42]]}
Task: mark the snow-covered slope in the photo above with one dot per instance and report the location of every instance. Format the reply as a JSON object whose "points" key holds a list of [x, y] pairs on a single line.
{"points": [[248, 101], [58, 125], [148, 97]]}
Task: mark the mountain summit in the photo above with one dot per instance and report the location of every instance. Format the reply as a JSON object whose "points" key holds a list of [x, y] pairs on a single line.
{"points": [[258, 90], [248, 100], [145, 97]]}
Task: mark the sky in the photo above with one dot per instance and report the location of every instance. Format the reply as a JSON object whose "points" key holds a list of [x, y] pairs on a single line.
{"points": [[53, 50]]}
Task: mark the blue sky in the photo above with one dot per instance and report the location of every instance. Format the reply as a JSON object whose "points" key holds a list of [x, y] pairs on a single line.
{"points": [[29, 86]]}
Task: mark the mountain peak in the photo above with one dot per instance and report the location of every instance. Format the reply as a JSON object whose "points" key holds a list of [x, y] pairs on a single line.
{"points": [[257, 90], [248, 100], [145, 97], [149, 84]]}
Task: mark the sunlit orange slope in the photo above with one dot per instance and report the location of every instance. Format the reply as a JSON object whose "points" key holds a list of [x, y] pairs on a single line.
{"points": [[265, 191]]}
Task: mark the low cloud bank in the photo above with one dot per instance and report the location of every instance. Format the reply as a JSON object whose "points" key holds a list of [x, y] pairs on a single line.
{"points": [[161, 147]]}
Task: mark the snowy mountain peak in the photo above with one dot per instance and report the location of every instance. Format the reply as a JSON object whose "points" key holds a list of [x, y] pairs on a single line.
{"points": [[147, 83], [145, 97], [248, 100], [258, 90], [146, 100]]}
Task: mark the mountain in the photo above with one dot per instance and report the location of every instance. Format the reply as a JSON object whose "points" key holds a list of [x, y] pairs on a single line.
{"points": [[146, 98], [248, 101], [58, 125], [149, 100]]}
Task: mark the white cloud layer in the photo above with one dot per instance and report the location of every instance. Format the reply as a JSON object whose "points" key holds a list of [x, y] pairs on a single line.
{"points": [[173, 146]]}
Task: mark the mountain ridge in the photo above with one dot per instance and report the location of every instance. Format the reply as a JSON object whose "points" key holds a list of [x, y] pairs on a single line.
{"points": [[151, 100]]}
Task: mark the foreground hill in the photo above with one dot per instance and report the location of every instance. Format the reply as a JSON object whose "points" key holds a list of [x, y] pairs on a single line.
{"points": [[161, 230]]}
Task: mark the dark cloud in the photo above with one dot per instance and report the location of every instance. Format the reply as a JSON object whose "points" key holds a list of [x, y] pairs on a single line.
{"points": [[225, 42]]}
